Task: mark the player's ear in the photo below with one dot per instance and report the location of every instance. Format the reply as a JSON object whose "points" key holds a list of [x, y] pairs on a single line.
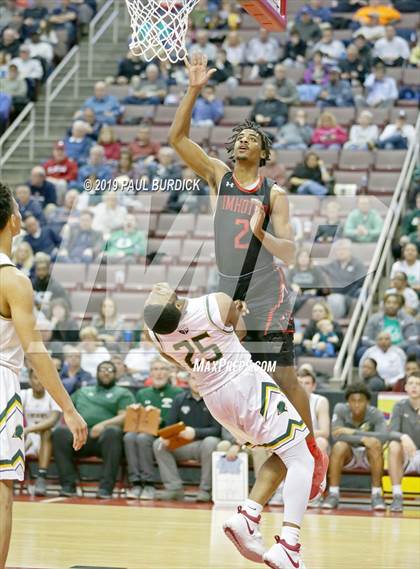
{"points": [[14, 224], [263, 155], [179, 304]]}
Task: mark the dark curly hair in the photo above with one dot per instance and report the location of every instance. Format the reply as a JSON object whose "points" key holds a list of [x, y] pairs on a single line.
{"points": [[266, 142], [359, 388], [6, 205]]}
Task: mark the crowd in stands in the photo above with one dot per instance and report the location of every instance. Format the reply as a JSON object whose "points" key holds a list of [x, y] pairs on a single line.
{"points": [[336, 93], [35, 35]]}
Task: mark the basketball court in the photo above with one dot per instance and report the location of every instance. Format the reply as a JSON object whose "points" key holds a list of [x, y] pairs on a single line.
{"points": [[63, 533]]}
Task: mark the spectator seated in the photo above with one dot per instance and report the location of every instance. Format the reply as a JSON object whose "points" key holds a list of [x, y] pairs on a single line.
{"points": [[139, 446], [202, 431], [103, 407]]}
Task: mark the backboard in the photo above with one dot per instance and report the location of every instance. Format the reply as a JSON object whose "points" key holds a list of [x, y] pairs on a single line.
{"points": [[271, 14]]}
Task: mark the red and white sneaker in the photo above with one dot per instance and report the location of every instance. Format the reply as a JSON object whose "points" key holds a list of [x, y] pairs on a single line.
{"points": [[243, 531], [283, 556], [319, 479]]}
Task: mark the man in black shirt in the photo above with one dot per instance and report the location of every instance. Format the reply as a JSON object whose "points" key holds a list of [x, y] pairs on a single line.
{"points": [[204, 433]]}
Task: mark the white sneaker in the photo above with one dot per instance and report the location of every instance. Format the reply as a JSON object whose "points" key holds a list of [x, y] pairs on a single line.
{"points": [[283, 556], [244, 532], [133, 493], [148, 493]]}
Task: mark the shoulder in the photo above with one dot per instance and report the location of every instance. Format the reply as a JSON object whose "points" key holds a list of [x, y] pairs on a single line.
{"points": [[15, 283], [399, 406], [174, 391], [277, 190], [143, 392], [180, 396], [220, 168], [375, 412], [340, 408], [122, 391]]}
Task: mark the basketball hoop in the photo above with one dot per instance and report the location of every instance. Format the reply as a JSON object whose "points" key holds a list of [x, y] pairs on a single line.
{"points": [[159, 29]]}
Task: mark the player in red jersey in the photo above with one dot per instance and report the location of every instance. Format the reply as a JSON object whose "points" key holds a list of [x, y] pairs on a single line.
{"points": [[252, 226]]}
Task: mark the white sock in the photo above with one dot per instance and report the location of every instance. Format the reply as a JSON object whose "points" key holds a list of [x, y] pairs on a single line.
{"points": [[290, 535], [397, 490], [335, 490], [376, 491], [252, 508], [297, 485]]}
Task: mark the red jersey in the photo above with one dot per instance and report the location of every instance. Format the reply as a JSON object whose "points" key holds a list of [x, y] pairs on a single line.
{"points": [[64, 170]]}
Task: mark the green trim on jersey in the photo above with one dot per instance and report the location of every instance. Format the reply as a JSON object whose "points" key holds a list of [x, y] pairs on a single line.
{"points": [[292, 428], [267, 390]]}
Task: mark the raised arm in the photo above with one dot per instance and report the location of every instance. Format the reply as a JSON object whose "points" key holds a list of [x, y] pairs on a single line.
{"points": [[210, 169], [19, 296]]}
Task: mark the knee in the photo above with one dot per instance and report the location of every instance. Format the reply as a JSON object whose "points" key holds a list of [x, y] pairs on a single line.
{"points": [[209, 445], [61, 434], [130, 438], [159, 448], [375, 448], [339, 449], [112, 433], [145, 440], [322, 443], [395, 448], [223, 446]]}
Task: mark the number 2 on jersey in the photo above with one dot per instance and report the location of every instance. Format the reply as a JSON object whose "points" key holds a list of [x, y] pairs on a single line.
{"points": [[244, 231], [196, 341]]}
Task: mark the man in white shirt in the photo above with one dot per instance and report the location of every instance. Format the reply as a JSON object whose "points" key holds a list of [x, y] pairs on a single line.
{"points": [[38, 48], [390, 359], [41, 413], [262, 51], [381, 91], [398, 136], [28, 68], [203, 45], [108, 215], [235, 49], [331, 49], [392, 50], [320, 409]]}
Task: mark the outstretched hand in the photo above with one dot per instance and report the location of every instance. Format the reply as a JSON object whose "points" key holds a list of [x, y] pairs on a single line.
{"points": [[197, 70]]}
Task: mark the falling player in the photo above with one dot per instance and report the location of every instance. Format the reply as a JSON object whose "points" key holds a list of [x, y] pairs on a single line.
{"points": [[18, 336], [199, 334], [252, 227]]}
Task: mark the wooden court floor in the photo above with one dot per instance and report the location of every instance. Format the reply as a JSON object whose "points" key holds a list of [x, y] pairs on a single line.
{"points": [[63, 535]]}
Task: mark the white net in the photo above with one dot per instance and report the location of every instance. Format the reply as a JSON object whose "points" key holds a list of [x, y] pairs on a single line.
{"points": [[159, 28]]}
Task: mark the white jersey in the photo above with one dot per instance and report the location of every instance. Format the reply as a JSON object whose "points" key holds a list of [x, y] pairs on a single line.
{"points": [[314, 400], [11, 351], [37, 409], [205, 346]]}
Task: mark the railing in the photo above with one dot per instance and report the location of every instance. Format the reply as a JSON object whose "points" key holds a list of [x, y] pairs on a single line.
{"points": [[28, 129], [110, 11], [344, 365], [72, 59]]}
